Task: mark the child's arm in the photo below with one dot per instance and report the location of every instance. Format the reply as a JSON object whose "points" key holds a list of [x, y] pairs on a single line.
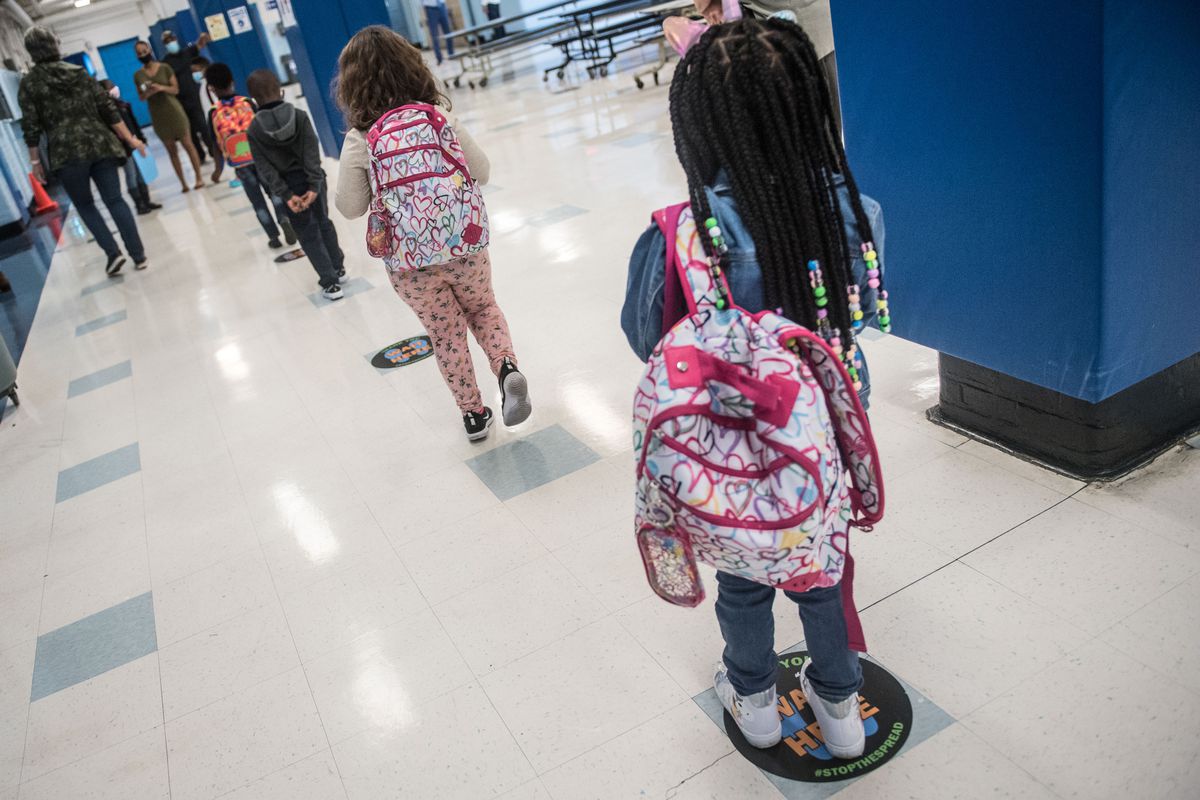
{"points": [[353, 195], [477, 160]]}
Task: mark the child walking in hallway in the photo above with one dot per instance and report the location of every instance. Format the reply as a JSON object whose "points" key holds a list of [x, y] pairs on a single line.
{"points": [[287, 157], [228, 123], [403, 155]]}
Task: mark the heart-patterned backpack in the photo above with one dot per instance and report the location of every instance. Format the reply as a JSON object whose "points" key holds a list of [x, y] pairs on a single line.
{"points": [[425, 209], [754, 454]]}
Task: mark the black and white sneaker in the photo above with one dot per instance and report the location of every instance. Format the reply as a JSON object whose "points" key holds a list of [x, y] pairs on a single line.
{"points": [[332, 292], [140, 265], [115, 262], [514, 389], [342, 278], [478, 424]]}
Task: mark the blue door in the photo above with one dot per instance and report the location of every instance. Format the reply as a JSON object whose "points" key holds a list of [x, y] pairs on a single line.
{"points": [[120, 62]]}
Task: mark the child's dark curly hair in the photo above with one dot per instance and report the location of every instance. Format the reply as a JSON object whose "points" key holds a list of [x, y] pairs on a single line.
{"points": [[379, 70]]}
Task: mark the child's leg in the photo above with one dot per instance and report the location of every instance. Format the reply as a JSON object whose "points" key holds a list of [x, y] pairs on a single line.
{"points": [[471, 280], [744, 614], [835, 673], [254, 192], [308, 231], [328, 232], [428, 293]]}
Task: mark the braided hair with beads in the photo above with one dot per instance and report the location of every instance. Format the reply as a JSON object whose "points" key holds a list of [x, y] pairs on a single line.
{"points": [[750, 100]]}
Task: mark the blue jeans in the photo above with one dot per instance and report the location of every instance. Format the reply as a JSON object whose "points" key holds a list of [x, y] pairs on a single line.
{"points": [[77, 178], [744, 613], [257, 195], [439, 18]]}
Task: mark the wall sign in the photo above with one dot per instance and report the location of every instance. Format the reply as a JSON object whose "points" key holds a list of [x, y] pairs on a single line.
{"points": [[217, 29], [286, 13], [885, 709], [403, 353], [239, 19]]}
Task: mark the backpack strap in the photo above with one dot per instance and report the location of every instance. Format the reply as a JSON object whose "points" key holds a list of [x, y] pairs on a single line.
{"points": [[853, 431], [702, 285]]}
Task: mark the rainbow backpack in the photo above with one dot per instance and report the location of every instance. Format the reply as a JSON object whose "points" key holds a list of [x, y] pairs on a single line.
{"points": [[753, 452], [426, 209], [230, 120]]}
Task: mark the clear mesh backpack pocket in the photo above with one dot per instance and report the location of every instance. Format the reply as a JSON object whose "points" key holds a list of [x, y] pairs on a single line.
{"points": [[670, 565]]}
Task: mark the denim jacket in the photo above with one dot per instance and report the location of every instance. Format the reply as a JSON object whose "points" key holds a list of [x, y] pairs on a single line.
{"points": [[642, 314]]}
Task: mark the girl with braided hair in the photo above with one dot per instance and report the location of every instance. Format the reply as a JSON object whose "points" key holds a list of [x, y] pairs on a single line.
{"points": [[755, 133]]}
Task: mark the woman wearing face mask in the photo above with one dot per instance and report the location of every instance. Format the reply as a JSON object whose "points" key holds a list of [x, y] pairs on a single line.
{"points": [[181, 58], [63, 103], [158, 86]]}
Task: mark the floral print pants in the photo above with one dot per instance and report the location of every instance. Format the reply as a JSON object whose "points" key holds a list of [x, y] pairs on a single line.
{"points": [[449, 299]]}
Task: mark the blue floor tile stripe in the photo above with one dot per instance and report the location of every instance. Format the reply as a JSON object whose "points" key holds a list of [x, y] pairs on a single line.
{"points": [[98, 471], [556, 215], [101, 322], [94, 645], [99, 378], [116, 280], [537, 459]]}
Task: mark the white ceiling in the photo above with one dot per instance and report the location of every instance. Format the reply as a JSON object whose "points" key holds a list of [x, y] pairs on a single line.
{"points": [[65, 11]]}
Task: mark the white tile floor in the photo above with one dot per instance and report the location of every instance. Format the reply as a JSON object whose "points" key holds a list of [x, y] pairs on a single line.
{"points": [[343, 609]]}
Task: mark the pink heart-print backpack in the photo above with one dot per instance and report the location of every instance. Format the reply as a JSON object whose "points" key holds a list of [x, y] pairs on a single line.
{"points": [[425, 209], [753, 452]]}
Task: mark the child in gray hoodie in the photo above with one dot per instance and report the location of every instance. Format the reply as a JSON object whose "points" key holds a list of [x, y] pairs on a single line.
{"points": [[288, 159]]}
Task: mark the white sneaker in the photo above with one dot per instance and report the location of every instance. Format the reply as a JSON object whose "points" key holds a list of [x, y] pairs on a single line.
{"points": [[332, 292], [841, 723], [756, 715]]}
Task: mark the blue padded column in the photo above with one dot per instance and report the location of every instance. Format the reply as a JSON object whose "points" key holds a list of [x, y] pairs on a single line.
{"points": [[322, 30], [1034, 160]]}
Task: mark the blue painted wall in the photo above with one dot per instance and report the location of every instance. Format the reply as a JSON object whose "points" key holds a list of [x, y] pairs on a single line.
{"points": [[120, 63], [1026, 175]]}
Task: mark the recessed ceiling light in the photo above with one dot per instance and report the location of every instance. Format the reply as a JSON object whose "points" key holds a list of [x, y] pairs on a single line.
{"points": [[82, 3]]}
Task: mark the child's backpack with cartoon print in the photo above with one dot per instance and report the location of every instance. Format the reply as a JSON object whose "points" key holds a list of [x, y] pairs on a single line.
{"points": [[426, 209], [753, 451], [230, 120]]}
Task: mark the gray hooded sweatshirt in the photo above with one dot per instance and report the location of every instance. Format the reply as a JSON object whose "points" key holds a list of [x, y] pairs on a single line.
{"points": [[285, 149]]}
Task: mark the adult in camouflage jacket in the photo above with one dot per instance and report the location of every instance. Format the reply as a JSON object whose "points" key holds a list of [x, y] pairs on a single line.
{"points": [[61, 102]]}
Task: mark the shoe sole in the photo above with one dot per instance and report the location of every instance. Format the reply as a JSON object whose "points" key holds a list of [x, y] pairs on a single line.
{"points": [[115, 269], [517, 406], [483, 434], [333, 297], [142, 265]]}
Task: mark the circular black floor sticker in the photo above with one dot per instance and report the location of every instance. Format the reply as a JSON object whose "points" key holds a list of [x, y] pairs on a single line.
{"points": [[290, 255], [403, 353], [801, 756]]}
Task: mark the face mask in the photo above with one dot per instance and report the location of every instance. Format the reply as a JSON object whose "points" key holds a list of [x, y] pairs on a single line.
{"points": [[172, 47], [146, 59], [114, 92], [198, 77]]}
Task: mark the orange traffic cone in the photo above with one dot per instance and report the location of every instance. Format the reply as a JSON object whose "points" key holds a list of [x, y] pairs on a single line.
{"points": [[41, 201]]}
